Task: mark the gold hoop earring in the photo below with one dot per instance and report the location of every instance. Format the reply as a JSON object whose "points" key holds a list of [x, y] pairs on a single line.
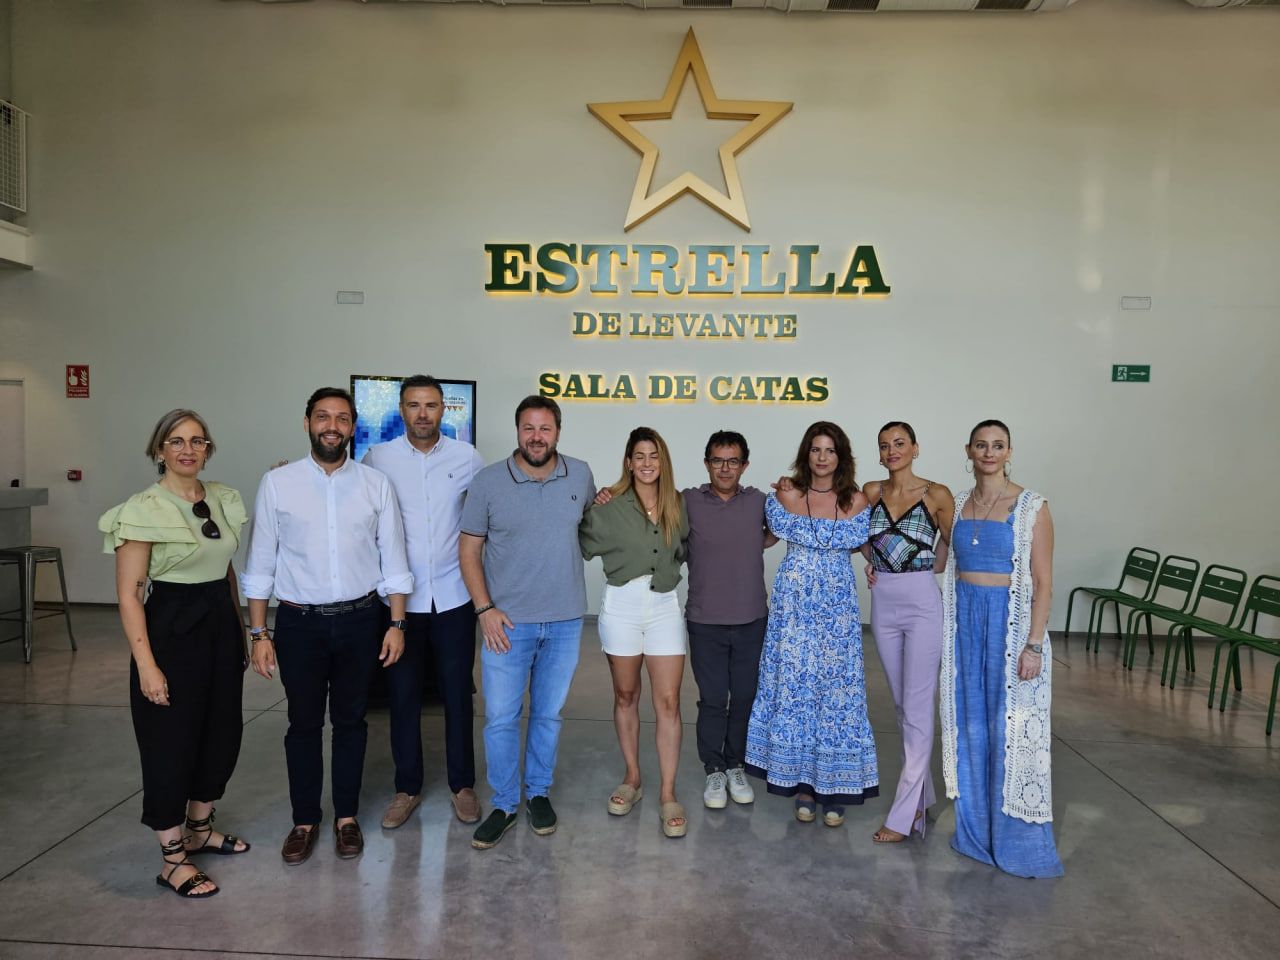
{"points": [[968, 466], [1007, 465]]}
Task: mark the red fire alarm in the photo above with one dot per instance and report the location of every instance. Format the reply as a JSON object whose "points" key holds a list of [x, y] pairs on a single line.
{"points": [[73, 476], [78, 380]]}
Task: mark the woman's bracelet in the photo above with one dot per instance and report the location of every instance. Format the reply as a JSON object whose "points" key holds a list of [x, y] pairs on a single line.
{"points": [[1036, 648], [485, 609], [258, 633]]}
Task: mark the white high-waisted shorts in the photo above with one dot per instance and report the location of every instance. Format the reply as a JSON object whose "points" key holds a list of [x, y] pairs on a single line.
{"points": [[634, 620]]}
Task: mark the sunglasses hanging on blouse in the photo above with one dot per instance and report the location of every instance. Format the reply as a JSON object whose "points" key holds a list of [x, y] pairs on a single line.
{"points": [[210, 529]]}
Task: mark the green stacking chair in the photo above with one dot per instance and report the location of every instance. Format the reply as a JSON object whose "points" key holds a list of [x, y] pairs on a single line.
{"points": [[1140, 568], [1176, 578], [1220, 584], [1263, 601], [1118, 599]]}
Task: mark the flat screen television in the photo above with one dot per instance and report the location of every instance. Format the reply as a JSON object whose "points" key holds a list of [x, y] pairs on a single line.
{"points": [[378, 405]]}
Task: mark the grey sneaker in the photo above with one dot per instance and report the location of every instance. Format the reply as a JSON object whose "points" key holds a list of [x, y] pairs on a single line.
{"points": [[739, 788], [713, 795]]}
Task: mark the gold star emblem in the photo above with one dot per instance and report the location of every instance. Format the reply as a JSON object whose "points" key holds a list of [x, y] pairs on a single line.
{"points": [[616, 116]]}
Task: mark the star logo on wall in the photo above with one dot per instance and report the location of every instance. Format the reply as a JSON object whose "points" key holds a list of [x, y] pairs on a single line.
{"points": [[762, 115]]}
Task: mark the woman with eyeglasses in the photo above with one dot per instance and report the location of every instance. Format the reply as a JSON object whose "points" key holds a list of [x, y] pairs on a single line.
{"points": [[187, 641]]}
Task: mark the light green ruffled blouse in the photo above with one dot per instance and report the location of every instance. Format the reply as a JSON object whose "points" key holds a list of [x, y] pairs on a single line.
{"points": [[180, 553]]}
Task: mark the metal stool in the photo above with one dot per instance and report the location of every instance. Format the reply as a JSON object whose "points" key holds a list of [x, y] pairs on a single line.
{"points": [[32, 610]]}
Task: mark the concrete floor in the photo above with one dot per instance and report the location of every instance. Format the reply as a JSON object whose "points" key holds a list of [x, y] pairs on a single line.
{"points": [[1167, 819]]}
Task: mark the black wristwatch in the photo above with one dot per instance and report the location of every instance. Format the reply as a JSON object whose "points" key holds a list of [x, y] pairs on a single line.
{"points": [[400, 624]]}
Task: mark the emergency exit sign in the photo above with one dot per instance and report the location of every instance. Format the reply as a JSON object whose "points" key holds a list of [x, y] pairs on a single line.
{"points": [[1131, 373]]}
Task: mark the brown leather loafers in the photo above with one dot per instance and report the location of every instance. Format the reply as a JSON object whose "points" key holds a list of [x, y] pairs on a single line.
{"points": [[299, 844], [348, 841]]}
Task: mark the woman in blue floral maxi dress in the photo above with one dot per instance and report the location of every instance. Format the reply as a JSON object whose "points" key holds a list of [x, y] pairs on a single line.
{"points": [[809, 736]]}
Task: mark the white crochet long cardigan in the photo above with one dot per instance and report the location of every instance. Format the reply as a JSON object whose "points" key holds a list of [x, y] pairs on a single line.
{"points": [[1028, 791]]}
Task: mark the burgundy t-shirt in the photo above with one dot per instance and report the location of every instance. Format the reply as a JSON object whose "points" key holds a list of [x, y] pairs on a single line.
{"points": [[726, 556]]}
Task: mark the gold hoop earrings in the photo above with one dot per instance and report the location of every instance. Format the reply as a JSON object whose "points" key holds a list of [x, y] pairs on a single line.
{"points": [[968, 466], [1007, 465]]}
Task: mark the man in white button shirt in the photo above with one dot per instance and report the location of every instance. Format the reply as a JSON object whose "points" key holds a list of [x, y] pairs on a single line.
{"points": [[430, 473], [327, 538]]}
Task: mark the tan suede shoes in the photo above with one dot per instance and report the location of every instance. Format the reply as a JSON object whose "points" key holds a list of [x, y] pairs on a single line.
{"points": [[466, 805], [400, 809]]}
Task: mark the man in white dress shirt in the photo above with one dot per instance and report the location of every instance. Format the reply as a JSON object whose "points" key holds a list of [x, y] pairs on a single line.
{"points": [[430, 473], [327, 539]]}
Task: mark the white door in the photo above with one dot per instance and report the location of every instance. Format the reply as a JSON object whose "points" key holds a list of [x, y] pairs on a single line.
{"points": [[13, 437]]}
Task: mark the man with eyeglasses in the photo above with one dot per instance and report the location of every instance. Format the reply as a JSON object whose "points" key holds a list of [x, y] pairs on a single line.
{"points": [[328, 540], [727, 611]]}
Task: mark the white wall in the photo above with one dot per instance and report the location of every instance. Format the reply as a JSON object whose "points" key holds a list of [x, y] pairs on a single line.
{"points": [[206, 175], [6, 52]]}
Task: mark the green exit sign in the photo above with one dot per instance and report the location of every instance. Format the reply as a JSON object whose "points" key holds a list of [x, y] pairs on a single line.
{"points": [[1131, 373]]}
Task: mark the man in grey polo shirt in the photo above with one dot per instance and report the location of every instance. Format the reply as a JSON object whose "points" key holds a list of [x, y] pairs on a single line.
{"points": [[522, 566], [726, 612]]}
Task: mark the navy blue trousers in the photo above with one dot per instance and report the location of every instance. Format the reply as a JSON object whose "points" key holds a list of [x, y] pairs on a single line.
{"points": [[326, 660], [449, 638]]}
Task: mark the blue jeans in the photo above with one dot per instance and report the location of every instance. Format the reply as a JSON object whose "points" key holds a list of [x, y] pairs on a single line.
{"points": [[542, 658]]}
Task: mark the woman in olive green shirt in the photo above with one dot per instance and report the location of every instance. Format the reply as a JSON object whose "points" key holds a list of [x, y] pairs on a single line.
{"points": [[187, 640], [639, 531]]}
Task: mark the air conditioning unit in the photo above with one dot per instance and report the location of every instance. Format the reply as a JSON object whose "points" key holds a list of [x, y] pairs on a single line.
{"points": [[13, 157]]}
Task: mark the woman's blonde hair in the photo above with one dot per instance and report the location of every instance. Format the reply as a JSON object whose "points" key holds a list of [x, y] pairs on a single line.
{"points": [[668, 508], [165, 426]]}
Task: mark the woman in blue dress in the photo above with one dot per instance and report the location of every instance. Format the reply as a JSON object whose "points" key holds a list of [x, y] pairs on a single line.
{"points": [[994, 690], [809, 736]]}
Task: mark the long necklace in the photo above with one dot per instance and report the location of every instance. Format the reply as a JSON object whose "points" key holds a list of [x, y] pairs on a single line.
{"points": [[813, 529], [976, 501]]}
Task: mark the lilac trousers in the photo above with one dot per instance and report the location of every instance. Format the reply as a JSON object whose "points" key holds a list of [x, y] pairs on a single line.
{"points": [[906, 618]]}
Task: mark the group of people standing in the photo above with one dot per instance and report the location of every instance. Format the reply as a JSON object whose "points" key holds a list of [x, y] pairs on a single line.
{"points": [[398, 558]]}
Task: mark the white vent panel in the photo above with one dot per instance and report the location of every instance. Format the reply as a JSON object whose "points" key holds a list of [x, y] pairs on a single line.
{"points": [[13, 157]]}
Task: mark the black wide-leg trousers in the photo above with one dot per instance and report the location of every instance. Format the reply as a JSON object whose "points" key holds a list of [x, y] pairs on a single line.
{"points": [[189, 748]]}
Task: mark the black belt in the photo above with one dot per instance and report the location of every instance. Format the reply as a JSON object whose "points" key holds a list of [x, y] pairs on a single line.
{"points": [[329, 609]]}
